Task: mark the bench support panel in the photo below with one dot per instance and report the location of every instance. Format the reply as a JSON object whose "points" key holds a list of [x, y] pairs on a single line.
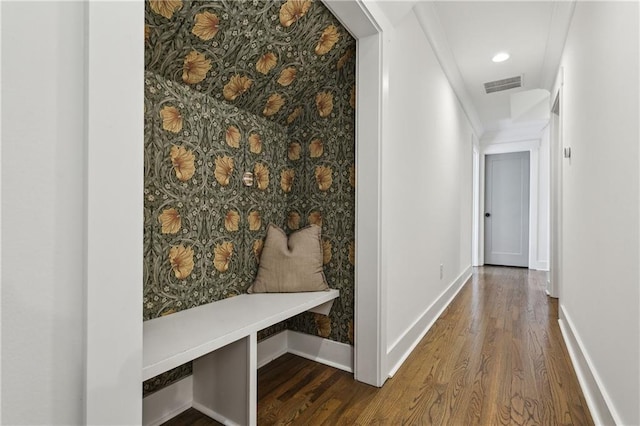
{"points": [[225, 382], [323, 309]]}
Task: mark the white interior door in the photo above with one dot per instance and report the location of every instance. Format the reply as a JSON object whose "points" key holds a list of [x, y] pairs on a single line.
{"points": [[506, 204]]}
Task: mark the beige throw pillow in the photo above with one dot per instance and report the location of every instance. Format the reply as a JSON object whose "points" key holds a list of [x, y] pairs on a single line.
{"points": [[289, 265]]}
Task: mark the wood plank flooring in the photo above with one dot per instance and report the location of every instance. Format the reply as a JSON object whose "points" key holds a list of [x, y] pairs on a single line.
{"points": [[494, 357]]}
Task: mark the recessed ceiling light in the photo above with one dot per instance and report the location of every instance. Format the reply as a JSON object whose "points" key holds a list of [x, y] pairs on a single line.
{"points": [[500, 57]]}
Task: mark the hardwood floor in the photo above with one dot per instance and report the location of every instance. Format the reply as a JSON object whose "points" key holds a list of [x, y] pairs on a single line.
{"points": [[494, 357]]}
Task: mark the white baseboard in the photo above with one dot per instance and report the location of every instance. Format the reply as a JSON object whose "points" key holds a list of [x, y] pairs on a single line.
{"points": [[168, 402], [178, 397], [401, 348], [272, 347], [598, 401], [214, 415], [540, 265], [324, 351]]}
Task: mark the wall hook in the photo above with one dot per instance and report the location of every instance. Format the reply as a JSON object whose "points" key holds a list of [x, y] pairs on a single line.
{"points": [[247, 179]]}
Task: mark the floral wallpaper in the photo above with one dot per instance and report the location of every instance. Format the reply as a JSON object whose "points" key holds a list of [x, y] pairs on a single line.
{"points": [[234, 87]]}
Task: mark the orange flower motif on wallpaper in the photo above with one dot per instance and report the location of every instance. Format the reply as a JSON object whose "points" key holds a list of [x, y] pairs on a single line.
{"points": [[224, 169], [206, 26], [222, 256], [293, 220], [316, 148], [286, 179], [147, 33], [181, 260], [328, 39], [171, 119], [255, 221], [294, 151], [350, 331], [273, 105], [344, 59], [324, 103], [297, 112], [255, 143], [261, 175], [232, 136], [287, 76], [183, 162], [257, 249], [293, 10], [324, 177], [323, 324], [195, 68], [326, 251], [266, 63], [352, 175], [315, 218], [352, 253], [165, 8], [352, 98], [232, 221], [236, 86], [170, 221]]}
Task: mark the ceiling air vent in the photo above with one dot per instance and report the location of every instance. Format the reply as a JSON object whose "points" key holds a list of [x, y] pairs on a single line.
{"points": [[504, 84]]}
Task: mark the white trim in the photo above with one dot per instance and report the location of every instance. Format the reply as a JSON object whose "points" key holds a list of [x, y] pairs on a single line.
{"points": [[1, 219], [214, 415], [533, 147], [168, 402], [540, 265], [599, 403], [477, 215], [368, 24], [427, 16], [369, 287], [114, 195], [534, 205], [178, 397], [400, 350], [559, 30], [272, 347], [555, 188], [516, 146], [324, 351]]}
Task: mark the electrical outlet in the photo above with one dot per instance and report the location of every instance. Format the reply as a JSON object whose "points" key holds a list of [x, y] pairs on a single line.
{"points": [[441, 271]]}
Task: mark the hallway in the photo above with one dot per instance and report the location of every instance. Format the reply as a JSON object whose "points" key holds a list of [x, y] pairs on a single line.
{"points": [[495, 357]]}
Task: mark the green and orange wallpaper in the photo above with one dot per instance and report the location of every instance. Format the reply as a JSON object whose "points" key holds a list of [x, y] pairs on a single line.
{"points": [[234, 87]]}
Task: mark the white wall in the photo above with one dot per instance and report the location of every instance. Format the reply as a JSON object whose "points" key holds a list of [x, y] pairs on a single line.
{"points": [[427, 197], [42, 213], [71, 186], [599, 294]]}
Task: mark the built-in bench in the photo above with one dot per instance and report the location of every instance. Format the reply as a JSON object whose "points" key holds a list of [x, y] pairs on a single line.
{"points": [[221, 340]]}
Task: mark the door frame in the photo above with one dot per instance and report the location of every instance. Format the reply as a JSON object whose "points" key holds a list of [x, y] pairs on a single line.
{"points": [[112, 372], [369, 26], [533, 147], [476, 234], [554, 283]]}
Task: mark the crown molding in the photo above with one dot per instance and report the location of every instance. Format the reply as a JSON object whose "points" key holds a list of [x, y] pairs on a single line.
{"points": [[431, 26]]}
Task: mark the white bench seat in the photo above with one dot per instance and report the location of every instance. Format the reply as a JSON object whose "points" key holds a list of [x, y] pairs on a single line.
{"points": [[221, 339]]}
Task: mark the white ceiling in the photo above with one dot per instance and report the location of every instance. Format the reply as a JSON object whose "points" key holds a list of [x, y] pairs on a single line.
{"points": [[476, 31], [467, 34]]}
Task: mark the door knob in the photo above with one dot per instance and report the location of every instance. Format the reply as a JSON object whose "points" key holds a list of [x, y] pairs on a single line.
{"points": [[487, 215]]}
